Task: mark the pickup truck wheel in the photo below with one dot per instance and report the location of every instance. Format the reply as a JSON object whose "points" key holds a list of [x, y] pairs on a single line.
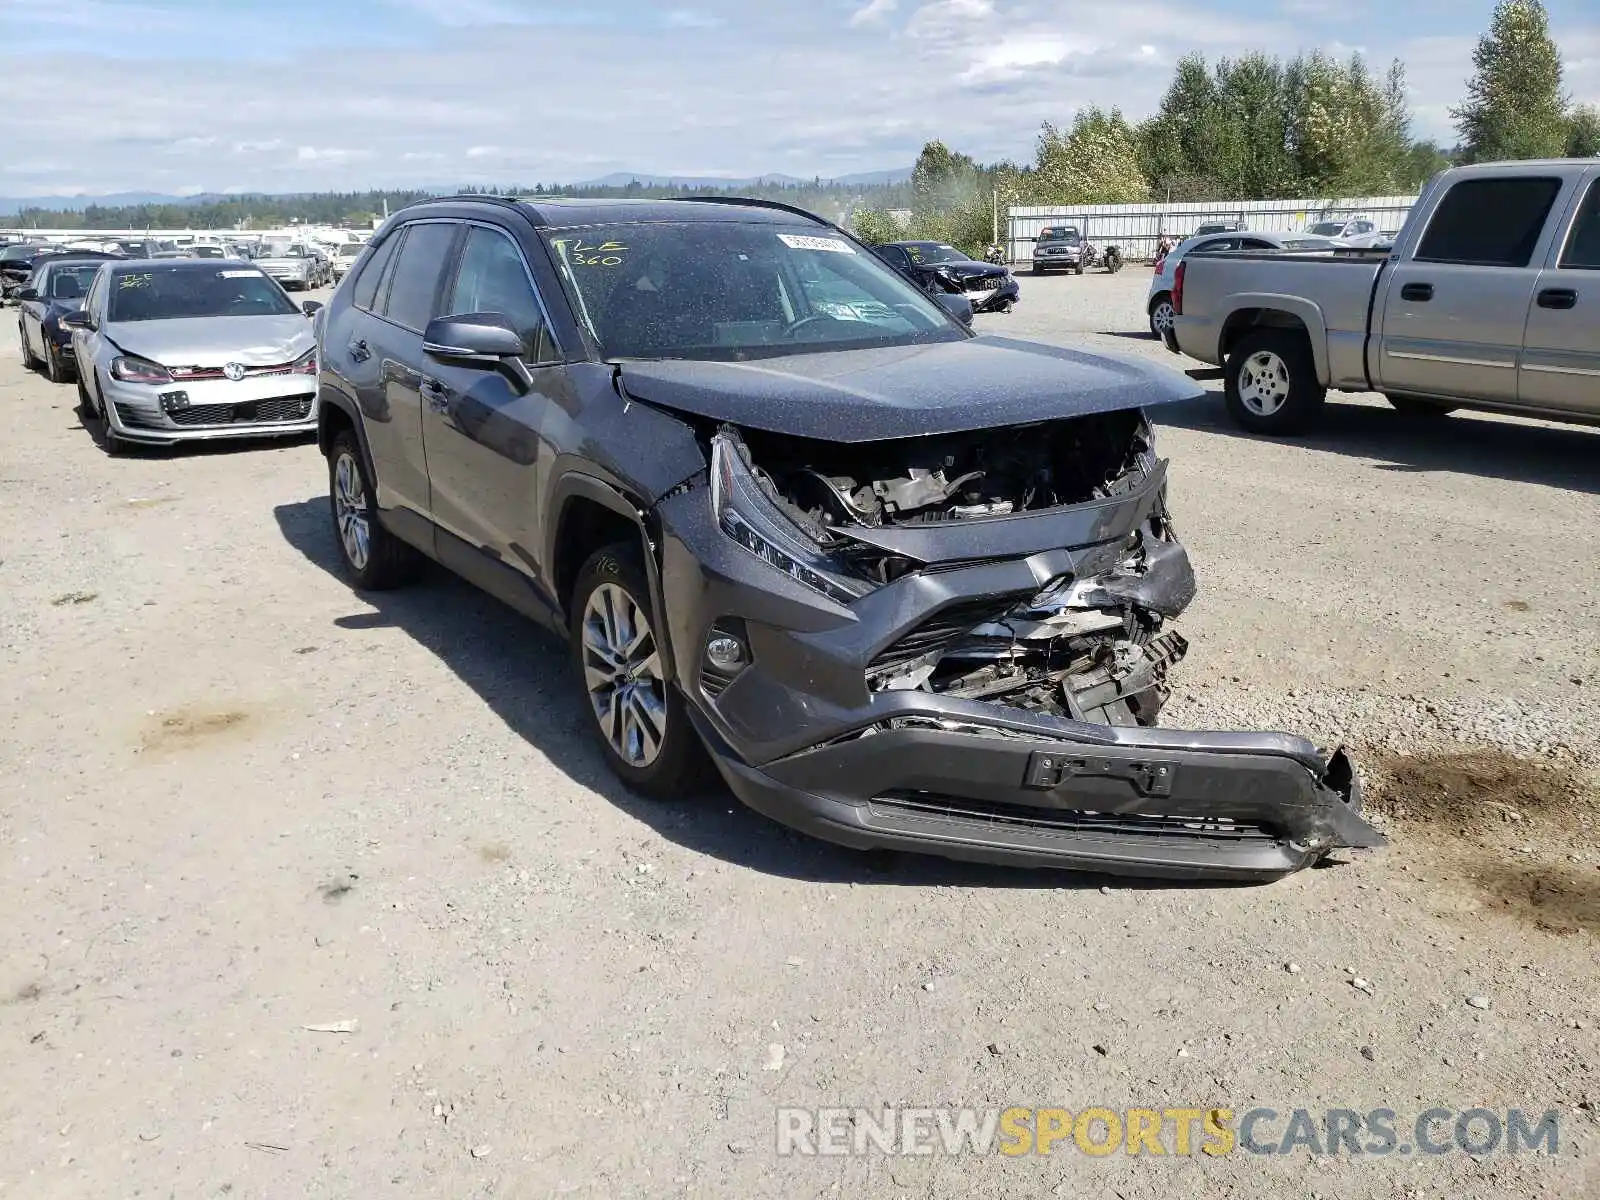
{"points": [[374, 558], [1270, 383], [1412, 406], [1161, 315], [641, 718]]}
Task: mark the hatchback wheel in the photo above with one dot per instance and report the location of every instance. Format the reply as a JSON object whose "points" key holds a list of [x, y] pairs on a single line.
{"points": [[29, 362], [374, 557], [640, 716], [54, 366], [1161, 315]]}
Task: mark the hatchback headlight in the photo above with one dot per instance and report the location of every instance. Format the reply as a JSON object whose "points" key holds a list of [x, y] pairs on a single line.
{"points": [[131, 369]]}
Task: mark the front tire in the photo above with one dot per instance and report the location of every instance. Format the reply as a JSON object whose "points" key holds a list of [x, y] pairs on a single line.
{"points": [[1270, 383], [1415, 406], [640, 718], [55, 370], [373, 557]]}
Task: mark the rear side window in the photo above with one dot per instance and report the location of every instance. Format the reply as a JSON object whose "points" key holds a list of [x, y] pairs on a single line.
{"points": [[1489, 222], [366, 283], [1216, 245], [416, 274], [1583, 243]]}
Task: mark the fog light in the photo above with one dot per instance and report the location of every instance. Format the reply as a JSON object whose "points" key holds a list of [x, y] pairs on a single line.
{"points": [[725, 653]]}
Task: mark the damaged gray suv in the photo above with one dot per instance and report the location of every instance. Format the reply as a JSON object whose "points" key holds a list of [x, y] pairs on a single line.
{"points": [[905, 586]]}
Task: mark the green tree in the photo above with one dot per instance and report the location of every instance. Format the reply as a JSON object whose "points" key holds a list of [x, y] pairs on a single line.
{"points": [[942, 178], [1096, 161], [875, 226], [1583, 132], [1178, 146], [1249, 146], [1423, 161], [1514, 106], [1349, 134]]}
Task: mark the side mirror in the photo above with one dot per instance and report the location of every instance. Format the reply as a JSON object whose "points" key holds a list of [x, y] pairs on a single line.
{"points": [[28, 293], [311, 307], [484, 340], [957, 305], [78, 319]]}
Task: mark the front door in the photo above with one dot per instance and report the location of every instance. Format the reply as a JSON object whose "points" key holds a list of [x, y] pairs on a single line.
{"points": [[1561, 349], [1454, 313], [481, 429]]}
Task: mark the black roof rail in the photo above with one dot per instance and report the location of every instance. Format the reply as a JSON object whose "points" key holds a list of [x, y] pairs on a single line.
{"points": [[753, 202], [493, 199]]}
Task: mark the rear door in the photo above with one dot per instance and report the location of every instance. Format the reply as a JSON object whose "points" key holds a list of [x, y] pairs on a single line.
{"points": [[482, 431], [383, 351], [1454, 312], [1561, 348]]}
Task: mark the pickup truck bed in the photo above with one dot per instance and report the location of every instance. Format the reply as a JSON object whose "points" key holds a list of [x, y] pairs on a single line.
{"points": [[1489, 299]]}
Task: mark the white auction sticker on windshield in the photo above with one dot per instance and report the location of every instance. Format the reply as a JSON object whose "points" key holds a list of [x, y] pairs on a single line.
{"points": [[797, 241], [237, 274]]}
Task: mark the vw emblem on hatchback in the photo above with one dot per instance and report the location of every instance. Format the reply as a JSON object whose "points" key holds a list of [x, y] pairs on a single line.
{"points": [[234, 371]]}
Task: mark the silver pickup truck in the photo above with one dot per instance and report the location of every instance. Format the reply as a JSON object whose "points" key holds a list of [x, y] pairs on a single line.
{"points": [[1489, 299]]}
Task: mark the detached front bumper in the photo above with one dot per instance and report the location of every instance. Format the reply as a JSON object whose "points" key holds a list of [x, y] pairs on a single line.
{"points": [[1035, 792]]}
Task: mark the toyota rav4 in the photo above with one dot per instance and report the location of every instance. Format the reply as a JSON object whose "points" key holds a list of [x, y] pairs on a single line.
{"points": [[903, 584]]}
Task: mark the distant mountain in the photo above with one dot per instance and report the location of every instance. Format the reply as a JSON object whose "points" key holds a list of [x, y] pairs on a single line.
{"points": [[624, 178], [10, 205], [15, 204]]}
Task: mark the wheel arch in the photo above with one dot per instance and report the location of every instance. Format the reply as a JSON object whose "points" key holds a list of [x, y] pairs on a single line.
{"points": [[1289, 313], [590, 513]]}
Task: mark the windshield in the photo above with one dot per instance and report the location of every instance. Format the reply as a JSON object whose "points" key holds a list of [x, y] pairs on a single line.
{"points": [[1327, 228], [209, 252], [165, 293], [17, 253], [730, 290], [281, 250], [1310, 243], [1059, 235], [931, 252]]}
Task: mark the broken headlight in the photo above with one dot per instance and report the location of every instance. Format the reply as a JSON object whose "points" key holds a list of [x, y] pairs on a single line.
{"points": [[746, 515]]}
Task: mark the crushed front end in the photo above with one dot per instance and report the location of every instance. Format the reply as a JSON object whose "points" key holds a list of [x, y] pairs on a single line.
{"points": [[961, 645]]}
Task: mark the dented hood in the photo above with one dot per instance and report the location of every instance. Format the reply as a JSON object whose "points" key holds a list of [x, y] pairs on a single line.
{"points": [[906, 391], [263, 341]]}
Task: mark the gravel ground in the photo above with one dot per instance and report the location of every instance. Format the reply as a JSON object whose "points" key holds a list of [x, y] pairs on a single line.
{"points": [[317, 895]]}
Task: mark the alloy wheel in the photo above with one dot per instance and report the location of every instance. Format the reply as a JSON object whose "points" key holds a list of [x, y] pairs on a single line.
{"points": [[622, 671], [350, 508], [1264, 383], [1162, 317]]}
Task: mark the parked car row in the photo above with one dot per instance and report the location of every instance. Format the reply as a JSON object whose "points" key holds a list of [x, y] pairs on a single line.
{"points": [[166, 350], [901, 584], [939, 269]]}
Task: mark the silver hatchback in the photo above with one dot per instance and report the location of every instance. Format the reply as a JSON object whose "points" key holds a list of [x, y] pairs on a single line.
{"points": [[190, 349]]}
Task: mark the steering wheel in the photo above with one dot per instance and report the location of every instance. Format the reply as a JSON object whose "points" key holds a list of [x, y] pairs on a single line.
{"points": [[797, 326]]}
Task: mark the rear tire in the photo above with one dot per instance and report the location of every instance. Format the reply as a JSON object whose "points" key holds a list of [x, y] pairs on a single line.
{"points": [[640, 719], [29, 362], [1415, 406], [373, 558], [1270, 383], [1161, 315]]}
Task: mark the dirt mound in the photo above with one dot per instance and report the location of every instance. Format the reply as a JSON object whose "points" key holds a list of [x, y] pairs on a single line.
{"points": [[1469, 792]]}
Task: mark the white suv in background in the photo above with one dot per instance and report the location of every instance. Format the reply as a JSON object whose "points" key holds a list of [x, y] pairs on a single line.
{"points": [[1158, 304]]}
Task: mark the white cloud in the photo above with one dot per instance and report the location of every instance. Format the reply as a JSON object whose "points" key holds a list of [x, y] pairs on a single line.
{"points": [[873, 12], [774, 88]]}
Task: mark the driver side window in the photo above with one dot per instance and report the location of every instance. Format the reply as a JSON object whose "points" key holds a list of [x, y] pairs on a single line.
{"points": [[491, 278]]}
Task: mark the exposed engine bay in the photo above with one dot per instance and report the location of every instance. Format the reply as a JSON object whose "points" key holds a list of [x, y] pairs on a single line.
{"points": [[1091, 647]]}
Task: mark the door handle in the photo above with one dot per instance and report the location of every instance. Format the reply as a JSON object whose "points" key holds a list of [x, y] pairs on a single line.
{"points": [[1558, 298], [1420, 292], [434, 392], [358, 350]]}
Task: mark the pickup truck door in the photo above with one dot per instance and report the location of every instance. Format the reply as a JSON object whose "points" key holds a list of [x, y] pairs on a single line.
{"points": [[1454, 310], [1561, 349]]}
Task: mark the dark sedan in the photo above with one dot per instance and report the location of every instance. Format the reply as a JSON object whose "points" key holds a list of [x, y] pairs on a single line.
{"points": [[936, 267], [58, 286]]}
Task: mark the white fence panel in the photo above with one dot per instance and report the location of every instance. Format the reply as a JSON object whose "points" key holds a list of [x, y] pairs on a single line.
{"points": [[1137, 228]]}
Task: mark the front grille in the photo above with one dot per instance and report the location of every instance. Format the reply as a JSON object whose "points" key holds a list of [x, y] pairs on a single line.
{"points": [[192, 374], [934, 807], [936, 632], [250, 412]]}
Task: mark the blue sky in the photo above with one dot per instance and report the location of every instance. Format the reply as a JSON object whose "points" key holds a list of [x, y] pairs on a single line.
{"points": [[284, 95]]}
